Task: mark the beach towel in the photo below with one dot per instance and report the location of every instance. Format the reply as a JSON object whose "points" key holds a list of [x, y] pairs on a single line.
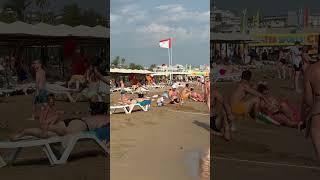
{"points": [[266, 119]]}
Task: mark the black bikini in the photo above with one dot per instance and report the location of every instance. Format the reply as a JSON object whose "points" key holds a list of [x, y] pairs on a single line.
{"points": [[68, 121]]}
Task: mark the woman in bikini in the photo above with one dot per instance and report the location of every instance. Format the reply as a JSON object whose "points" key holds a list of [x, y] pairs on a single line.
{"points": [[196, 96], [52, 123], [280, 111], [93, 78]]}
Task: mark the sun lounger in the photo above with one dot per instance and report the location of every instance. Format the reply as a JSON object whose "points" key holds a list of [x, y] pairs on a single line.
{"points": [[57, 89], [125, 108], [144, 105], [68, 142], [232, 77]]}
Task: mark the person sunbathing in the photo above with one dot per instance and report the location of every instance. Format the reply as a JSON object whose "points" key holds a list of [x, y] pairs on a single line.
{"points": [[52, 123], [67, 126], [279, 111], [240, 106], [196, 96], [125, 99]]}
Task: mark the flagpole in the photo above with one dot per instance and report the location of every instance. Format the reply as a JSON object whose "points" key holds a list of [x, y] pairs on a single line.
{"points": [[171, 58], [168, 64]]}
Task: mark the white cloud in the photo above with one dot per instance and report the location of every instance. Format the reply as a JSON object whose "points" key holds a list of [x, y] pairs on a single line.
{"points": [[145, 27]]}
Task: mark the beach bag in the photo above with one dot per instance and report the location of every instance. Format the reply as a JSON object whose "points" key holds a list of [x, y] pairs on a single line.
{"points": [[98, 108]]}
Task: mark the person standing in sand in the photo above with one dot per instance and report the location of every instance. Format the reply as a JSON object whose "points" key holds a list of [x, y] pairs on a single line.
{"points": [[296, 56], [227, 116], [41, 94], [240, 104], [311, 99]]}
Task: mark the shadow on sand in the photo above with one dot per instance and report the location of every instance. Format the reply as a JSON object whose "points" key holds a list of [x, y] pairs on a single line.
{"points": [[203, 125]]}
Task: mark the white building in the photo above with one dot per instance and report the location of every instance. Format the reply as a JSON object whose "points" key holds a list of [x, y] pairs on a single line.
{"points": [[224, 20], [314, 20], [274, 21]]}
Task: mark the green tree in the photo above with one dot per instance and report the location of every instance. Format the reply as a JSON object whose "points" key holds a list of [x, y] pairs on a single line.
{"points": [[44, 6], [123, 62], [132, 66], [152, 66], [115, 62], [18, 6], [71, 15], [139, 67]]}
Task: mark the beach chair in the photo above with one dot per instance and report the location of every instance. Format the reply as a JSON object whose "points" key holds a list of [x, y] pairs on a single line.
{"points": [[57, 89], [125, 108], [232, 77], [68, 142], [144, 105]]}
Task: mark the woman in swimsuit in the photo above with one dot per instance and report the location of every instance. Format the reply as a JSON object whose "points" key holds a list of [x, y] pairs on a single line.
{"points": [[281, 65], [277, 110], [93, 78], [196, 96]]}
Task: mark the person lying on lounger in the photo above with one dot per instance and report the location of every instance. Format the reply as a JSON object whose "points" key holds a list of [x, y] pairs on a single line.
{"points": [[67, 126], [52, 123], [279, 111]]}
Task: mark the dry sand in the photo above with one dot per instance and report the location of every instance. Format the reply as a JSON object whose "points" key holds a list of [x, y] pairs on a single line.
{"points": [[87, 161], [163, 143], [264, 152]]}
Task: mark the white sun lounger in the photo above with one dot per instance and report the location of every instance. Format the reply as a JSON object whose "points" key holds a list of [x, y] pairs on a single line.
{"points": [[57, 89], [129, 108], [68, 143], [125, 108], [232, 77]]}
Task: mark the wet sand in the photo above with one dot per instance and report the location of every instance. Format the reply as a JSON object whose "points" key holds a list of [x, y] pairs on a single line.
{"points": [[163, 143], [263, 152], [87, 160]]}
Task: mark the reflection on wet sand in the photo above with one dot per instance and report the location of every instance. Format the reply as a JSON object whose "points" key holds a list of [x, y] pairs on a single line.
{"points": [[205, 166]]}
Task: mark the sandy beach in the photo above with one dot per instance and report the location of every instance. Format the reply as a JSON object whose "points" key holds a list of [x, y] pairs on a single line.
{"points": [[163, 143], [260, 151], [86, 162]]}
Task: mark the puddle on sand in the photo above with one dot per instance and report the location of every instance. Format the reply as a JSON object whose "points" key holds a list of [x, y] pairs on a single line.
{"points": [[195, 164]]}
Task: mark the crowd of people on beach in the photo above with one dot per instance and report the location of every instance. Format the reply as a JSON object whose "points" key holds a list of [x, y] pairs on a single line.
{"points": [[255, 101], [178, 93]]}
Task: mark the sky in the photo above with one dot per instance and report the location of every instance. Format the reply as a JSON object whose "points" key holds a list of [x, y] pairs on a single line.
{"points": [[138, 25], [268, 7]]}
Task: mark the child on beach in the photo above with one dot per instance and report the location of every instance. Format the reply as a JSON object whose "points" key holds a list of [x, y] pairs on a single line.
{"points": [[41, 94], [48, 117]]}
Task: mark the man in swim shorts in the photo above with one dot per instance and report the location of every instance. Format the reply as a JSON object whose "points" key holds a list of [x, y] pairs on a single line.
{"points": [[240, 104], [311, 99], [185, 93], [41, 95]]}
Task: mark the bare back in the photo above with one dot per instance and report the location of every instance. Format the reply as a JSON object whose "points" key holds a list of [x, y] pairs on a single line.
{"points": [[239, 94], [40, 79], [312, 79]]}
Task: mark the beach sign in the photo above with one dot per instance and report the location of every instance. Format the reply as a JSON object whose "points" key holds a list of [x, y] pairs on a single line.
{"points": [[286, 39]]}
